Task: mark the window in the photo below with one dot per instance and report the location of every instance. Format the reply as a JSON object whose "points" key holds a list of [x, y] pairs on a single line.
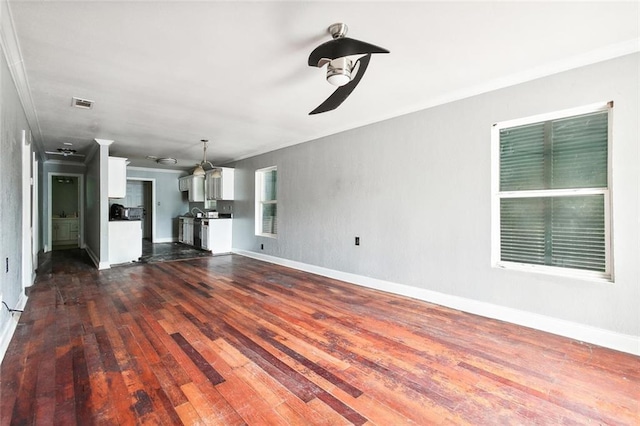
{"points": [[267, 202], [551, 208]]}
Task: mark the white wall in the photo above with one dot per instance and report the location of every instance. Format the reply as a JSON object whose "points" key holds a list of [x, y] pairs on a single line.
{"points": [[12, 123], [417, 191]]}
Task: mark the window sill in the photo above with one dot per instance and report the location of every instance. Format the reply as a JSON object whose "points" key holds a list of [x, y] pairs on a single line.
{"points": [[274, 236], [594, 276]]}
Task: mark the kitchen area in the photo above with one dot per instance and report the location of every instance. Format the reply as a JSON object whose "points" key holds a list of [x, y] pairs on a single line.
{"points": [[208, 223], [201, 224], [125, 220]]}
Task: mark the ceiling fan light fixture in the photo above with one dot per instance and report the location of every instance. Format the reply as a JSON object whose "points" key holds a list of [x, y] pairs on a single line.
{"points": [[198, 171], [166, 161], [339, 71], [66, 151]]}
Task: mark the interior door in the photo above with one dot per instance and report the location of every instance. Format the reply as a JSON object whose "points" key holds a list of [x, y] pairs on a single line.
{"points": [[148, 210]]}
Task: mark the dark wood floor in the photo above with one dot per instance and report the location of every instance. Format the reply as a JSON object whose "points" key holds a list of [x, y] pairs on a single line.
{"points": [[230, 340]]}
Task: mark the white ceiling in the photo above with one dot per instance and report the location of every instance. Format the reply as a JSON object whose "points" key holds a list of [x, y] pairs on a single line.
{"points": [[165, 74]]}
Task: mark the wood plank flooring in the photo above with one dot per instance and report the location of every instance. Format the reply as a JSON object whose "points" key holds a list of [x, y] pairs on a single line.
{"points": [[230, 340]]}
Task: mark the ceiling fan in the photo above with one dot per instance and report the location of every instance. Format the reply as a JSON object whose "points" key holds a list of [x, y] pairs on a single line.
{"points": [[342, 71], [65, 152]]}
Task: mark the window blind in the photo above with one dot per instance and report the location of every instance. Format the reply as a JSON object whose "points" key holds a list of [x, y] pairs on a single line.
{"points": [[270, 184], [579, 152], [560, 154], [557, 228], [577, 233], [267, 201], [555, 231]]}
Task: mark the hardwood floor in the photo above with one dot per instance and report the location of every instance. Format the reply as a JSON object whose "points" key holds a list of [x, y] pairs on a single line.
{"points": [[231, 340]]}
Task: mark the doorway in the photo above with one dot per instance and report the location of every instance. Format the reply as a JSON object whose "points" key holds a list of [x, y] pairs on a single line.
{"points": [[141, 193], [65, 223]]}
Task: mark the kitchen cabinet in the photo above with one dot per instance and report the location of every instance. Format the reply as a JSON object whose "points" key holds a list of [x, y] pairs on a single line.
{"points": [[219, 183], [185, 233], [216, 235], [125, 241], [64, 231], [194, 185], [117, 177], [183, 183]]}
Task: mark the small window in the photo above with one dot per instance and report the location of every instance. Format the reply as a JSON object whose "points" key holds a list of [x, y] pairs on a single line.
{"points": [[551, 207], [267, 202]]}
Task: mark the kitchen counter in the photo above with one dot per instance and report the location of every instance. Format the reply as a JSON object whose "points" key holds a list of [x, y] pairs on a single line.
{"points": [[211, 234]]}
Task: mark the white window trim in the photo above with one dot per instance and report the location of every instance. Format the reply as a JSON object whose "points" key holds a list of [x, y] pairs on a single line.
{"points": [[496, 196], [258, 207]]}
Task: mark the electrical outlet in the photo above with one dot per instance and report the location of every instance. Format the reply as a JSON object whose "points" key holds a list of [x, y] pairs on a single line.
{"points": [[357, 241]]}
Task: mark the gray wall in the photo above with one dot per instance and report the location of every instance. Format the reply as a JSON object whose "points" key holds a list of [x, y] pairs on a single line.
{"points": [[93, 205], [12, 122], [417, 191], [170, 202]]}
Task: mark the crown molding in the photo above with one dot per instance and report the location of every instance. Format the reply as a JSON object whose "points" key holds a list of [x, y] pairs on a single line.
{"points": [[602, 54], [13, 55], [155, 170], [606, 53]]}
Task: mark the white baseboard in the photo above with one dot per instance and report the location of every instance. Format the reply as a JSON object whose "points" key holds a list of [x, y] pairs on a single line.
{"points": [[8, 328], [95, 260], [6, 333], [22, 301], [609, 339]]}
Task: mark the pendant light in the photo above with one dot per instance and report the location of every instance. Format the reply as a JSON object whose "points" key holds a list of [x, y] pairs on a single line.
{"points": [[199, 170]]}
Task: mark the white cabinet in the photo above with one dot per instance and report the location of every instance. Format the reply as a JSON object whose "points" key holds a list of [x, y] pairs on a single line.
{"points": [[64, 231], [204, 235], [60, 231], [194, 185], [216, 235], [125, 241], [117, 177], [183, 183], [185, 234], [219, 183], [196, 190]]}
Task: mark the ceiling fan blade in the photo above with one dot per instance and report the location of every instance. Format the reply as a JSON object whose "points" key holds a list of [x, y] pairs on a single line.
{"points": [[341, 93], [341, 47]]}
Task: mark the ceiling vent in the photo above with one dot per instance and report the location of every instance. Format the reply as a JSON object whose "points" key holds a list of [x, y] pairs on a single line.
{"points": [[81, 103]]}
